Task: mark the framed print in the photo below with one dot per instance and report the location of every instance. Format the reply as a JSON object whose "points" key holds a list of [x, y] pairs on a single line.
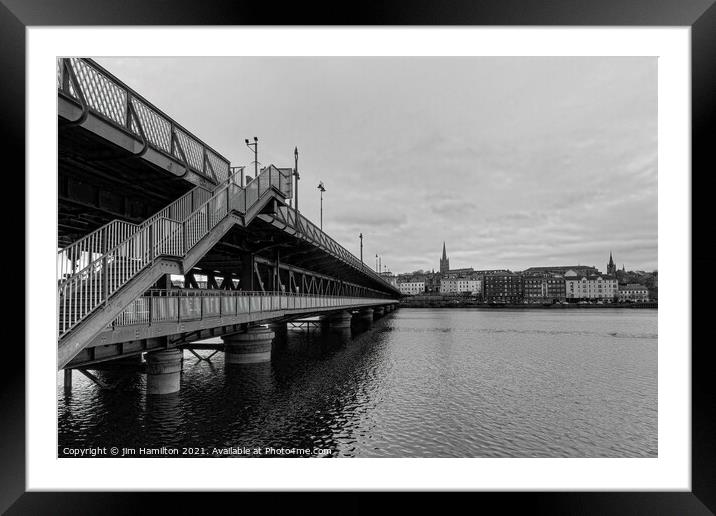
{"points": [[425, 245]]}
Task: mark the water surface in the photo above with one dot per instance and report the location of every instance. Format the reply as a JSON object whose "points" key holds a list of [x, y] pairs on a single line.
{"points": [[420, 383]]}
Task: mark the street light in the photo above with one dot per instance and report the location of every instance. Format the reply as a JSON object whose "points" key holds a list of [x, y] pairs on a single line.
{"points": [[255, 146], [322, 189], [295, 173], [361, 249]]}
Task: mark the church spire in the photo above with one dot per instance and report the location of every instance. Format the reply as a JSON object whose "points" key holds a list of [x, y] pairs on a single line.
{"points": [[611, 267], [444, 262]]}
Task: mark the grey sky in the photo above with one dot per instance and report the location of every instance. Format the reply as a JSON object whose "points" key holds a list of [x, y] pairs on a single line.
{"points": [[514, 162]]}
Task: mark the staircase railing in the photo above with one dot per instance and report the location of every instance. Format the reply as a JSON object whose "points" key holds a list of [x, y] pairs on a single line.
{"points": [[160, 235], [76, 256]]}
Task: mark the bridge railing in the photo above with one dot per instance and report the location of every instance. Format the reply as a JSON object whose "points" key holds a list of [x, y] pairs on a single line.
{"points": [[84, 291], [315, 234], [192, 305], [100, 92], [84, 251]]}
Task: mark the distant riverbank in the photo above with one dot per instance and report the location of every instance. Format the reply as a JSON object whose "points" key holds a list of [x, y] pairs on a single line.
{"points": [[492, 306]]}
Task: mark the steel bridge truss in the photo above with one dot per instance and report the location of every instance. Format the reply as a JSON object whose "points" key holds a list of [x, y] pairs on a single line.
{"points": [[169, 318], [85, 87]]}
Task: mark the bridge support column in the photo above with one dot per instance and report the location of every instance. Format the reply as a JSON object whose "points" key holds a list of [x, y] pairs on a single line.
{"points": [[338, 323], [252, 346], [164, 371], [68, 380], [280, 331], [378, 312], [364, 316]]}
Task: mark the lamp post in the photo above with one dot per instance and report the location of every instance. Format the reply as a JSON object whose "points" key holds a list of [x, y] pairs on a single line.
{"points": [[322, 189], [255, 147], [295, 173], [361, 249]]}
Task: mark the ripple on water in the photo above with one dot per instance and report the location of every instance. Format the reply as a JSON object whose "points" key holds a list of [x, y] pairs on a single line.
{"points": [[422, 383]]}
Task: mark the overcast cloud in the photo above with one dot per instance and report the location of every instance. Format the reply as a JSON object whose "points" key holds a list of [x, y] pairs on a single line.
{"points": [[514, 162]]}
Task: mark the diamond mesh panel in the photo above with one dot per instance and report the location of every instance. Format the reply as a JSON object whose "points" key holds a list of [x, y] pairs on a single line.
{"points": [[156, 128], [102, 95]]}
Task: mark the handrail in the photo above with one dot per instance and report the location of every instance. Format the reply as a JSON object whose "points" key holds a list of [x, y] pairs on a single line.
{"points": [[217, 292], [84, 291], [107, 237], [334, 246], [177, 305], [110, 98]]}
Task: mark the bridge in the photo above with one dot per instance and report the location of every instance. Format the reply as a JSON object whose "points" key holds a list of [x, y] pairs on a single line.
{"points": [[146, 208]]}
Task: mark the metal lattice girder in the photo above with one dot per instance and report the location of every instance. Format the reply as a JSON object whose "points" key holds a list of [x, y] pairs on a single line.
{"points": [[104, 95], [285, 217]]}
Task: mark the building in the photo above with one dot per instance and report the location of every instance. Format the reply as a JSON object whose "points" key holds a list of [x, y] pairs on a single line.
{"points": [[611, 266], [502, 288], [589, 288], [584, 270], [487, 272], [390, 278], [444, 262], [432, 282], [459, 273], [544, 288], [633, 292], [460, 285], [411, 288]]}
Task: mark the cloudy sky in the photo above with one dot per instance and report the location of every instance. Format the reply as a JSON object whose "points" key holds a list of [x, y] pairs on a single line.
{"points": [[513, 162]]}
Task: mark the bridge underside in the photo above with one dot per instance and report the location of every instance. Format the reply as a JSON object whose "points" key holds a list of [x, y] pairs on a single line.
{"points": [[93, 193]]}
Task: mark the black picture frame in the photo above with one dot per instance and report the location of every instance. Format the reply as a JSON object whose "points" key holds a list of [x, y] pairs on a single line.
{"points": [[17, 15]]}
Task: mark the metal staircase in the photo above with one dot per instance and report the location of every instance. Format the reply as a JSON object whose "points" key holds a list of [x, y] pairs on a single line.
{"points": [[120, 260]]}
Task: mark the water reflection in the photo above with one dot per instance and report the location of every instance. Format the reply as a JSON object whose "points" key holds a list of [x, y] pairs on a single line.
{"points": [[419, 383]]}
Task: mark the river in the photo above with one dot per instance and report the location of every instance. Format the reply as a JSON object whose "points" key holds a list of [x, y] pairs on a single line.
{"points": [[420, 383]]}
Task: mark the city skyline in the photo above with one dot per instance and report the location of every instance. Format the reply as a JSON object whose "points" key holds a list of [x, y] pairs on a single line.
{"points": [[515, 162], [602, 268]]}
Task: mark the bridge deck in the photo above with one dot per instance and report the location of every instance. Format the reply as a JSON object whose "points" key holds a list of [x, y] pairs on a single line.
{"points": [[186, 315]]}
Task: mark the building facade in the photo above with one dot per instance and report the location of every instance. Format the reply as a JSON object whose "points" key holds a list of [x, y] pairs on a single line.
{"points": [[461, 285], [589, 288], [411, 288], [544, 288], [502, 288], [633, 293]]}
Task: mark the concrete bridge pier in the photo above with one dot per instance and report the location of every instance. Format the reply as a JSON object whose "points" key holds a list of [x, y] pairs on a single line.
{"points": [[164, 371], [364, 316], [250, 347], [338, 323], [378, 312], [280, 332]]}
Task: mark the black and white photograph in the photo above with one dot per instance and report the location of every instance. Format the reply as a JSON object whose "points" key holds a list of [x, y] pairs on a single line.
{"points": [[357, 257], [422, 240]]}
